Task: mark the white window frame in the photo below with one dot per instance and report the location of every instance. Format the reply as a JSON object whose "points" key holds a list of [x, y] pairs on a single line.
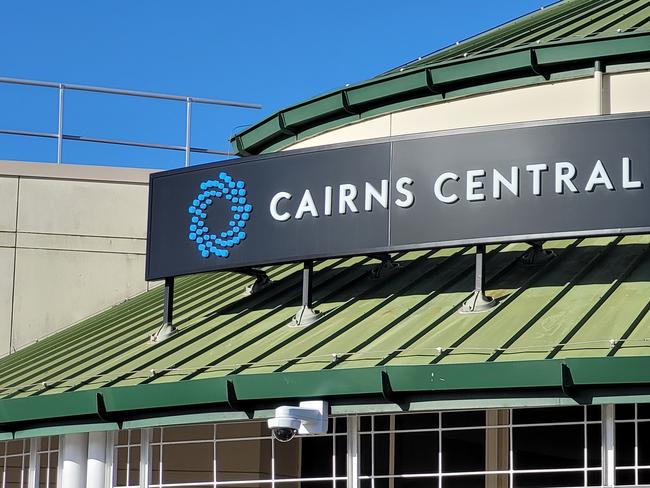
{"points": [[30, 476], [510, 426]]}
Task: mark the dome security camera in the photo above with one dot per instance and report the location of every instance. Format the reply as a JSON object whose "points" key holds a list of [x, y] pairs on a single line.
{"points": [[308, 418]]}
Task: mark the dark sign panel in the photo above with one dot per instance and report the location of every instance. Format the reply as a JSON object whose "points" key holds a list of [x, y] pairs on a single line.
{"points": [[584, 177]]}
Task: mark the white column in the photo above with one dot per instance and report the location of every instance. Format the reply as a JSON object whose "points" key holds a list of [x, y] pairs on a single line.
{"points": [[96, 467], [598, 77], [34, 462], [145, 457], [353, 451], [74, 455], [608, 444]]}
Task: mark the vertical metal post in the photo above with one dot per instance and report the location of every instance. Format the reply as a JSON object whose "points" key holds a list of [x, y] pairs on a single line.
{"points": [[598, 78], [307, 274], [188, 129], [478, 301], [110, 477], [167, 328], [59, 139], [353, 451], [306, 315], [168, 310], [34, 462], [608, 443], [479, 279], [145, 457]]}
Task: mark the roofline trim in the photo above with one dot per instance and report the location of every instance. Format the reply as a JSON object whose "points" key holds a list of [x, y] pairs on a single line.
{"points": [[578, 379], [378, 95]]}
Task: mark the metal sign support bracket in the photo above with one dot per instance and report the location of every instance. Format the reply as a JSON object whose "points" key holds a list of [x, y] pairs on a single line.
{"points": [[262, 280], [167, 328], [479, 301], [306, 315]]}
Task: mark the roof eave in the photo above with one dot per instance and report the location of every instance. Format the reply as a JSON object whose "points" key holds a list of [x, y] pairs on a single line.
{"points": [[379, 95], [580, 379]]}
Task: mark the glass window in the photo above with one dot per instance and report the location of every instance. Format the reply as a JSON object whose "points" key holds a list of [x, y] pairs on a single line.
{"points": [[244, 454], [625, 444], [632, 444], [48, 453], [503, 448], [126, 456], [415, 452], [548, 415], [548, 446], [241, 460], [548, 479], [464, 450], [189, 462], [15, 460]]}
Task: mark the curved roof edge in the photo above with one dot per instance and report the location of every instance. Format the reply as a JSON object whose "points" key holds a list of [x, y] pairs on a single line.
{"points": [[440, 82], [580, 380]]}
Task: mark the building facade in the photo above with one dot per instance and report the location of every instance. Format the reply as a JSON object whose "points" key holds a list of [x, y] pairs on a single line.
{"points": [[551, 388]]}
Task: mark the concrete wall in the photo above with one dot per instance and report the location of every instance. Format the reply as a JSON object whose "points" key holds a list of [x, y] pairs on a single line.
{"points": [[613, 93], [72, 243]]}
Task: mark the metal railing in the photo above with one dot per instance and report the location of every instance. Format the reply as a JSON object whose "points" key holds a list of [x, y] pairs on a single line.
{"points": [[60, 135]]}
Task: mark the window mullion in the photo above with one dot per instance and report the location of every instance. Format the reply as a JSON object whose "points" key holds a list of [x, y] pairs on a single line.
{"points": [[391, 451], [586, 444], [636, 445]]}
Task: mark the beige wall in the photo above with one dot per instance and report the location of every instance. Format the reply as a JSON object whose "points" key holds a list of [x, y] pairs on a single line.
{"points": [[616, 93], [72, 243]]}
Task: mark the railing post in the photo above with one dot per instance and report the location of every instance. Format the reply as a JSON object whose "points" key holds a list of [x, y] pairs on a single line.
{"points": [[59, 138], [188, 129], [306, 315]]}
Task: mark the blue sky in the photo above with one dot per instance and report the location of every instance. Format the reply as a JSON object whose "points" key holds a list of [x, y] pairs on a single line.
{"points": [[272, 53]]}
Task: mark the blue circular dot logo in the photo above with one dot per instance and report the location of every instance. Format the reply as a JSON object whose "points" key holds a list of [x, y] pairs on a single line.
{"points": [[232, 191]]}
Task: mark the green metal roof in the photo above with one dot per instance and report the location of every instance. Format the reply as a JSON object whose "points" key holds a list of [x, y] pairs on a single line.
{"points": [[561, 41], [577, 323]]}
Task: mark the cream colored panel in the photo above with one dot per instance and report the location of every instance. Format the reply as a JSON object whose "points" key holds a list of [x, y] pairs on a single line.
{"points": [[80, 243], [6, 292], [368, 129], [8, 195], [7, 239], [548, 101], [629, 92], [75, 172], [55, 289], [82, 208]]}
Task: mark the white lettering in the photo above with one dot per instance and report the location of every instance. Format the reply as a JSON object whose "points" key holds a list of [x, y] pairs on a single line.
{"points": [[499, 180], [472, 185], [328, 200], [371, 192], [628, 184], [564, 173], [347, 194], [281, 217], [437, 188], [400, 185], [599, 176], [536, 170], [306, 205]]}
